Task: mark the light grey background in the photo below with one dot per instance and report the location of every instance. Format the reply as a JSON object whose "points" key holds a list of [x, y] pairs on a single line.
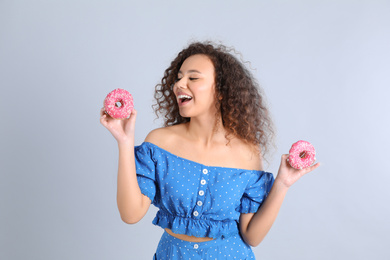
{"points": [[324, 66]]}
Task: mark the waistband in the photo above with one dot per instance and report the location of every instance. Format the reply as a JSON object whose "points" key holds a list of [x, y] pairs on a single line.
{"points": [[198, 245], [196, 227]]}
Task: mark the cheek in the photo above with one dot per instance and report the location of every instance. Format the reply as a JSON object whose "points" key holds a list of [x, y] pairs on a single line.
{"points": [[207, 98], [205, 89]]}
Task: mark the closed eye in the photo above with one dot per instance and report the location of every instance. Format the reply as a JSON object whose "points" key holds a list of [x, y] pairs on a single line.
{"points": [[194, 78]]}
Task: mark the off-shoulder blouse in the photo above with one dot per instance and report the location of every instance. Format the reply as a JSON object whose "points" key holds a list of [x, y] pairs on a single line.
{"points": [[195, 199]]}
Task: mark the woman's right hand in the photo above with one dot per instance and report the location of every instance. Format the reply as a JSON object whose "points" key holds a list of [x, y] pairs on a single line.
{"points": [[122, 129]]}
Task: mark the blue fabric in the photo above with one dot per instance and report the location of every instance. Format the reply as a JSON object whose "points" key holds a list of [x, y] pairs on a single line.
{"points": [[171, 248], [195, 199]]}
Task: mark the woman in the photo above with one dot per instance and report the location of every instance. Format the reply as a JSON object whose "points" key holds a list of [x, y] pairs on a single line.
{"points": [[203, 169]]}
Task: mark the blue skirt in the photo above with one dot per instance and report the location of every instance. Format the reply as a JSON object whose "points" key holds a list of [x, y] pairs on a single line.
{"points": [[171, 248]]}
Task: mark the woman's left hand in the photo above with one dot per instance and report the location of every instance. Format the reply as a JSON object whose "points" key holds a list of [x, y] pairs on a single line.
{"points": [[288, 175]]}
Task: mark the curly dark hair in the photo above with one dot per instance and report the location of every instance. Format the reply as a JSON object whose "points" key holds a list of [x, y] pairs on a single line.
{"points": [[239, 98]]}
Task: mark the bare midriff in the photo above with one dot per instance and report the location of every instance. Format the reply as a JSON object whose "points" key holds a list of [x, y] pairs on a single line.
{"points": [[188, 238]]}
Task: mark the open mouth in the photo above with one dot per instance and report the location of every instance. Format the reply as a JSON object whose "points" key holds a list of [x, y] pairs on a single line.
{"points": [[184, 99]]}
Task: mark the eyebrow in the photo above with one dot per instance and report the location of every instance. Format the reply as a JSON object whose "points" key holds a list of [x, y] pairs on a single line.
{"points": [[190, 71]]}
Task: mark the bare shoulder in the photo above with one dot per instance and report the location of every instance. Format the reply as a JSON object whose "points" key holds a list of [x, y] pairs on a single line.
{"points": [[249, 154], [164, 135]]}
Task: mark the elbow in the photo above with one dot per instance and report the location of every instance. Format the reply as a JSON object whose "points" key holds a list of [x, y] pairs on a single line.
{"points": [[130, 220], [253, 242], [131, 215], [252, 238], [127, 221]]}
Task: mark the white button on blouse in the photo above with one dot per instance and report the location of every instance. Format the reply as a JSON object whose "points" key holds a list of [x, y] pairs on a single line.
{"points": [[203, 182], [201, 193], [199, 203], [196, 213], [205, 171], [196, 246]]}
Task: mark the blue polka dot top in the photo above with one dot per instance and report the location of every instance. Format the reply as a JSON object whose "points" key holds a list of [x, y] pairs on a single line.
{"points": [[195, 199]]}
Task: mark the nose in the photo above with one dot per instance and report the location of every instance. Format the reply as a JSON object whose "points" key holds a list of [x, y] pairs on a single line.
{"points": [[181, 83]]}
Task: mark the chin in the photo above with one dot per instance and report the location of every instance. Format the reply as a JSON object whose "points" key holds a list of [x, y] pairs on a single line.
{"points": [[185, 115]]}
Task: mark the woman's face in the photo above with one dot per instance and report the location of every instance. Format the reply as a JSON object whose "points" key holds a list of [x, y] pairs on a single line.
{"points": [[195, 87]]}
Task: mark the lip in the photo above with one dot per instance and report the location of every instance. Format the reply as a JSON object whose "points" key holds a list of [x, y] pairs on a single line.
{"points": [[183, 104], [178, 100], [183, 93]]}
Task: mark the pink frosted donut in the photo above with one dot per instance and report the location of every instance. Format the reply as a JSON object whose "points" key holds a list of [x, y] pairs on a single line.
{"points": [[119, 103], [301, 155]]}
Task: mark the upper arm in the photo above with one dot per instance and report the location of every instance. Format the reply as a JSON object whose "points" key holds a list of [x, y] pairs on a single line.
{"points": [[157, 137], [256, 162], [244, 221], [146, 202]]}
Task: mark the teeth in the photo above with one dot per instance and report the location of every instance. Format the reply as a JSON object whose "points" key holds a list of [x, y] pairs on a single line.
{"points": [[184, 96]]}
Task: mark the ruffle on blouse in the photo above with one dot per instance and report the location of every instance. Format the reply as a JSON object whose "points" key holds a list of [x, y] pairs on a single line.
{"points": [[248, 206], [196, 227], [147, 187]]}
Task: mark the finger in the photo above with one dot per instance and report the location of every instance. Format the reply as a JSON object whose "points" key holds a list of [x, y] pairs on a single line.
{"points": [[284, 159], [133, 114], [103, 121], [102, 111], [313, 167]]}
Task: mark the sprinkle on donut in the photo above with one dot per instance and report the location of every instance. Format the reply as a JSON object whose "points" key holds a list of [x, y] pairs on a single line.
{"points": [[301, 155], [119, 103]]}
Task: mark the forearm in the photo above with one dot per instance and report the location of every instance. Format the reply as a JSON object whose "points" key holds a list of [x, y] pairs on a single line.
{"points": [[264, 218], [131, 202]]}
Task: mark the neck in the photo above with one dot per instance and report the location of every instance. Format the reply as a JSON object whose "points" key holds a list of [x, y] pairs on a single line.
{"points": [[206, 131]]}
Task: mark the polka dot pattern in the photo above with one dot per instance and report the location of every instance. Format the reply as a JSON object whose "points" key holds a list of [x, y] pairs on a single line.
{"points": [[171, 248], [195, 199]]}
